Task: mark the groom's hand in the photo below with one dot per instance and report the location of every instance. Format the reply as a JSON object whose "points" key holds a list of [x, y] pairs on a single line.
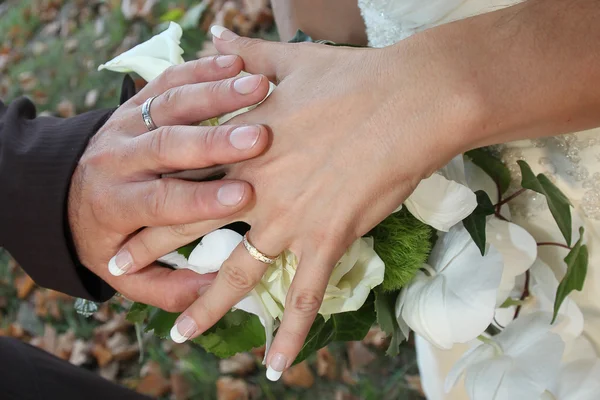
{"points": [[117, 188]]}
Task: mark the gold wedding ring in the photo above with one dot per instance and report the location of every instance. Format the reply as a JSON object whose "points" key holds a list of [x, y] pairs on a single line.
{"points": [[257, 254]]}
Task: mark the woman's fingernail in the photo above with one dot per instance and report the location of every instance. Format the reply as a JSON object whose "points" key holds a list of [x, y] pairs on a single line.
{"points": [[183, 329], [225, 61], [231, 194], [276, 367], [121, 263], [247, 84], [244, 137], [222, 33]]}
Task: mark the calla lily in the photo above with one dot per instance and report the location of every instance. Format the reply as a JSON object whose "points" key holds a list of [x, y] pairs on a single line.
{"points": [[151, 58], [359, 270], [519, 363], [454, 300], [542, 292]]}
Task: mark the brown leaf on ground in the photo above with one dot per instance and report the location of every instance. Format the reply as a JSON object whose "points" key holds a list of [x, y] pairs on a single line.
{"points": [[359, 355], [102, 355], [66, 109], [80, 353], [348, 377], [300, 375], [342, 394], [153, 383], [27, 80], [239, 364], [110, 371], [414, 383], [24, 285], [376, 338], [229, 388], [117, 324], [326, 365], [16, 330], [64, 345], [180, 387]]}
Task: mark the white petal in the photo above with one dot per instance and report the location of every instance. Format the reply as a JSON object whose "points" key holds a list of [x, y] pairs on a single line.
{"points": [[483, 380], [579, 380], [399, 307], [478, 179], [151, 58], [216, 247], [441, 203], [455, 170], [518, 249], [175, 260], [473, 356], [253, 304]]}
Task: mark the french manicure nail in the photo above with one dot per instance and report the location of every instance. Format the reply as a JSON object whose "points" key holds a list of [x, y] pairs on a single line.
{"points": [[183, 329], [230, 194], [247, 84], [222, 33], [244, 137], [276, 367], [225, 61], [121, 263]]}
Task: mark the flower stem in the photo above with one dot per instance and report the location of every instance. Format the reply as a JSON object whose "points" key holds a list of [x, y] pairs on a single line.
{"points": [[525, 293], [554, 244], [509, 198], [428, 270]]}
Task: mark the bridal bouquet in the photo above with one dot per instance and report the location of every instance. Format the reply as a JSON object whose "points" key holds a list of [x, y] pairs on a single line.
{"points": [[448, 265]]}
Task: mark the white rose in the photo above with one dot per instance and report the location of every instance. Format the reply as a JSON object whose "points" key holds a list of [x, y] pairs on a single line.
{"points": [[359, 270]]}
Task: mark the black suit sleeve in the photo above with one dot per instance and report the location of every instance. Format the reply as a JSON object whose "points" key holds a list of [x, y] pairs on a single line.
{"points": [[37, 158]]}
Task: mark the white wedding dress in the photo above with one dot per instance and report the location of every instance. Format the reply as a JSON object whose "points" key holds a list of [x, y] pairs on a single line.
{"points": [[572, 161]]}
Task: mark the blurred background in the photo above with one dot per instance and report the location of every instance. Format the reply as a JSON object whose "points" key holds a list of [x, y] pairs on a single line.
{"points": [[49, 52]]}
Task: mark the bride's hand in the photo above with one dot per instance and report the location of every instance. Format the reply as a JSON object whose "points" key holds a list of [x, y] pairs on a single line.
{"points": [[353, 132]]}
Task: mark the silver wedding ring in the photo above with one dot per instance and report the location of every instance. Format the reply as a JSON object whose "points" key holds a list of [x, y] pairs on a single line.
{"points": [[146, 114], [257, 254]]}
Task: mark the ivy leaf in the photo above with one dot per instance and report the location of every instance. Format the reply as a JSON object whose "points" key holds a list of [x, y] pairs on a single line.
{"points": [[386, 318], [348, 326], [577, 263], [475, 223], [236, 333], [558, 203], [300, 37], [492, 166], [161, 322], [138, 313], [188, 248]]}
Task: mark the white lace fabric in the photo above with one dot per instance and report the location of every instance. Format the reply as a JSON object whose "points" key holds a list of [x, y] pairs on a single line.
{"points": [[571, 161]]}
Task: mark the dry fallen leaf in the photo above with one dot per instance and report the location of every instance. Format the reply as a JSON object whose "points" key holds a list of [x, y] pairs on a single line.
{"points": [[229, 388], [326, 365], [180, 387], [153, 383], [102, 355], [66, 109], [414, 382], [359, 355], [377, 338], [239, 364], [80, 353], [24, 285], [299, 375]]}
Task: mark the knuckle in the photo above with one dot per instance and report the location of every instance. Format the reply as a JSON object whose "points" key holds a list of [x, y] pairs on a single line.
{"points": [[159, 144], [171, 98], [167, 76], [156, 199], [304, 302], [171, 302], [237, 278], [180, 230]]}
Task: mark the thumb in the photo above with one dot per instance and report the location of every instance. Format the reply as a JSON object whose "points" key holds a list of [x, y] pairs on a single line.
{"points": [[260, 56]]}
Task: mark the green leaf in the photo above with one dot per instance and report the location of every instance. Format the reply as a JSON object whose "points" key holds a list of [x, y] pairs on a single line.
{"points": [[577, 263], [174, 14], [348, 326], [138, 313], [558, 203], [300, 37], [510, 302], [192, 16], [161, 322], [188, 248], [237, 333], [385, 304], [492, 166], [475, 223]]}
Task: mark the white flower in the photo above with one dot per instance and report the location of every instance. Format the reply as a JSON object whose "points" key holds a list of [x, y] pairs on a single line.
{"points": [[443, 199], [518, 249], [579, 375], [359, 270], [519, 363], [542, 292], [151, 58], [454, 301]]}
